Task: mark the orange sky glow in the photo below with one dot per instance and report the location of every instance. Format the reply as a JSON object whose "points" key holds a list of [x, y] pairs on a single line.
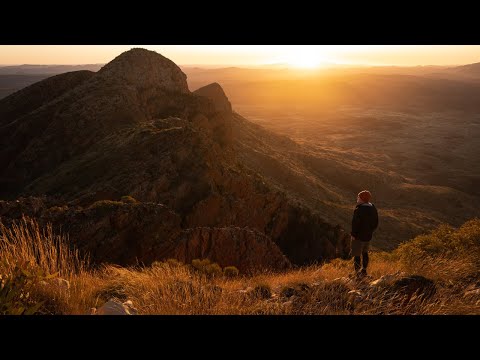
{"points": [[299, 56]]}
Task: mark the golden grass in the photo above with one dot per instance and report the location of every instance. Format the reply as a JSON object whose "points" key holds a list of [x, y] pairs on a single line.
{"points": [[40, 248], [170, 288]]}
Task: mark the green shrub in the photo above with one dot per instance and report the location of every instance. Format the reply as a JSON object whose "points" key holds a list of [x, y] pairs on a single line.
{"points": [[128, 199], [200, 264], [213, 269], [16, 289], [157, 264], [105, 204], [230, 271], [444, 242], [205, 266], [174, 263]]}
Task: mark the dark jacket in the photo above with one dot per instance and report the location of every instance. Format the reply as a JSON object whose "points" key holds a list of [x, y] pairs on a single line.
{"points": [[364, 222]]}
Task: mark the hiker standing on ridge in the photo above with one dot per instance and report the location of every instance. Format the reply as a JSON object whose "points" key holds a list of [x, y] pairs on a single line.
{"points": [[364, 223]]}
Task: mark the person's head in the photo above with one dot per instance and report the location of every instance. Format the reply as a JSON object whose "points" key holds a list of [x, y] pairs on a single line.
{"points": [[364, 196]]}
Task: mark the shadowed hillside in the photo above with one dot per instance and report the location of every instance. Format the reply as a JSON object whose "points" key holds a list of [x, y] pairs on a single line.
{"points": [[82, 141], [411, 139], [407, 134]]}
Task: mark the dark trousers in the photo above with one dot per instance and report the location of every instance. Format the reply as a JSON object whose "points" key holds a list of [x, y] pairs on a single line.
{"points": [[359, 250], [363, 265]]}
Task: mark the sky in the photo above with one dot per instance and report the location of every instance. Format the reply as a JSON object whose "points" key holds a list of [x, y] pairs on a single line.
{"points": [[304, 56]]}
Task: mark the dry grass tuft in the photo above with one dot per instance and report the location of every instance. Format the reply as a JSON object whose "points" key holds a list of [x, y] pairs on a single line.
{"points": [[171, 287]]}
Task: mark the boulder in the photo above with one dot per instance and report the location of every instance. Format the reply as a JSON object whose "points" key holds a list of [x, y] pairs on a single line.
{"points": [[115, 307], [243, 248]]}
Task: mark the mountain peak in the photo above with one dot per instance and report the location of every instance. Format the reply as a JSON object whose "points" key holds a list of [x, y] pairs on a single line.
{"points": [[146, 68], [215, 93]]}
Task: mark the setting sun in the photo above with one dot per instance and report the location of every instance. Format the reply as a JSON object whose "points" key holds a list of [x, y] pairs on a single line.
{"points": [[239, 179], [304, 57]]}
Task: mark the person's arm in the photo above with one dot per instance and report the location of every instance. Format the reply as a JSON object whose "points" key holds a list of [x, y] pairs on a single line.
{"points": [[355, 223], [375, 218]]}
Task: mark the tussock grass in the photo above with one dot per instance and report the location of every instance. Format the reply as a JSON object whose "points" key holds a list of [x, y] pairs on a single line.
{"points": [[171, 287], [40, 248]]}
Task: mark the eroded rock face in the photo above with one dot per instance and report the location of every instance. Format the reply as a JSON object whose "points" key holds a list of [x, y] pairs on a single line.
{"points": [[128, 233], [134, 129], [109, 231], [215, 93], [231, 246]]}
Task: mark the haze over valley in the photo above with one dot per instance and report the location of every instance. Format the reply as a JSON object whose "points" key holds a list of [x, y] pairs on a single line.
{"points": [[230, 189]]}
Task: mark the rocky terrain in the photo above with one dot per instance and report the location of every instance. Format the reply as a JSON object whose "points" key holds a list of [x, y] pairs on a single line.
{"points": [[407, 134], [76, 144]]}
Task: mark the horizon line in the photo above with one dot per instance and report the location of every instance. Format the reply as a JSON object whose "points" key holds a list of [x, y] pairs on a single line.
{"points": [[245, 66]]}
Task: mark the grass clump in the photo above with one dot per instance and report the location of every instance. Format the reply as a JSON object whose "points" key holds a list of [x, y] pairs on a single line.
{"points": [[30, 253], [104, 204], [128, 199], [230, 271]]}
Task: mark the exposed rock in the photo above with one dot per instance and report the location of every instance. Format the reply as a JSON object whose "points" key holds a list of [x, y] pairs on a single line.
{"points": [[383, 280], [82, 144], [110, 231], [355, 297], [244, 248], [115, 307], [215, 93], [145, 68], [121, 233], [125, 233]]}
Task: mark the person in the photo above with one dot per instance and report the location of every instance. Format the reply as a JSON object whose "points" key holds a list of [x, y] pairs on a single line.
{"points": [[364, 223]]}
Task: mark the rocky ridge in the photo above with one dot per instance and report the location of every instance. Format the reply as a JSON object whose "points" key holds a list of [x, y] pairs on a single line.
{"points": [[135, 129]]}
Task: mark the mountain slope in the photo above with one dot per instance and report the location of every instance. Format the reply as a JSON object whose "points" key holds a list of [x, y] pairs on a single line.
{"points": [[133, 128]]}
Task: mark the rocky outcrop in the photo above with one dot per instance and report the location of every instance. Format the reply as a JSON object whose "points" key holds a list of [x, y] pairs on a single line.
{"points": [[115, 307], [215, 93], [145, 69], [220, 125], [129, 232], [244, 248], [134, 129], [109, 231], [125, 96]]}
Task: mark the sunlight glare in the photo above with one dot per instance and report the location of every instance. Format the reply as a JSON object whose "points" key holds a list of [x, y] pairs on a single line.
{"points": [[305, 57]]}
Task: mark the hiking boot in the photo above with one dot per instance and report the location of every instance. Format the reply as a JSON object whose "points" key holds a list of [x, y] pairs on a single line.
{"points": [[362, 273]]}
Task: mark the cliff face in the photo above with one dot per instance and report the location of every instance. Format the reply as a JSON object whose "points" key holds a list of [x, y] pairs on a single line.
{"points": [[135, 129], [215, 93]]}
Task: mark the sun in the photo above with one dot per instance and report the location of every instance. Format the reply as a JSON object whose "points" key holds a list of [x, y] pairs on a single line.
{"points": [[304, 57]]}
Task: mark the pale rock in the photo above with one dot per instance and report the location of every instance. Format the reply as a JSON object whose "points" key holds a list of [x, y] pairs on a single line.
{"points": [[115, 307]]}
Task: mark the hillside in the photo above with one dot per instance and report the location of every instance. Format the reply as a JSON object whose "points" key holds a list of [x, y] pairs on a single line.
{"points": [[76, 144], [412, 140], [321, 138], [436, 273]]}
